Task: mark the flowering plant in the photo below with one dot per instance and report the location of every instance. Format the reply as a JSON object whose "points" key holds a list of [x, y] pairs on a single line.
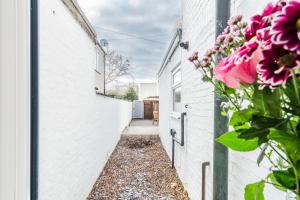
{"points": [[256, 67]]}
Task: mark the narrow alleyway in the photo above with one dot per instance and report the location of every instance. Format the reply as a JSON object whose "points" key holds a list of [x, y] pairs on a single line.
{"points": [[138, 169]]}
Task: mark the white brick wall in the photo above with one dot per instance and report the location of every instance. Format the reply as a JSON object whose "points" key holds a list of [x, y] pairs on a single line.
{"points": [[78, 129], [199, 30]]}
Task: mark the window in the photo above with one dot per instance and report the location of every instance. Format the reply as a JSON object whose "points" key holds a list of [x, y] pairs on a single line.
{"points": [[176, 90], [99, 62]]}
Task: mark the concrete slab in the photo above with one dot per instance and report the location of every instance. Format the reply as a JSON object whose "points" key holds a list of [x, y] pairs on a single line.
{"points": [[141, 127], [141, 122]]}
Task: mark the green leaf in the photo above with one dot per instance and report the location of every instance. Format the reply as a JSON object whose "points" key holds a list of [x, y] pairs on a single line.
{"points": [[264, 101], [294, 109], [241, 117], [290, 92], [290, 143], [232, 141], [262, 154], [294, 125], [285, 178], [261, 122], [260, 128], [253, 133], [275, 183], [255, 191]]}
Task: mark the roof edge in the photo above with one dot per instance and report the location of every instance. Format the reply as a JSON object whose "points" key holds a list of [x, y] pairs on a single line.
{"points": [[165, 60], [81, 18]]}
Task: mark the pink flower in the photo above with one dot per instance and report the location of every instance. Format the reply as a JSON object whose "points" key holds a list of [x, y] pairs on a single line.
{"points": [[263, 37], [286, 27], [275, 68], [193, 57], [245, 52], [263, 20], [233, 73]]}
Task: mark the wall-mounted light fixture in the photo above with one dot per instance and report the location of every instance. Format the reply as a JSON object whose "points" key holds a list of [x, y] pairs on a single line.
{"points": [[184, 45]]}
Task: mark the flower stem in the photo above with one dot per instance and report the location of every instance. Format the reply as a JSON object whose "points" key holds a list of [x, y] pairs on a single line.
{"points": [[279, 154], [296, 87], [246, 92], [270, 159], [297, 179], [228, 97]]}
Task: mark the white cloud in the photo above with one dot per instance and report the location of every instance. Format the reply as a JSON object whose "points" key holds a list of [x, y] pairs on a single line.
{"points": [[152, 19], [93, 8], [135, 3]]}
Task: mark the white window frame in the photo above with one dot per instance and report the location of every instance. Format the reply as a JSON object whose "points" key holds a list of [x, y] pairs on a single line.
{"points": [[174, 87]]}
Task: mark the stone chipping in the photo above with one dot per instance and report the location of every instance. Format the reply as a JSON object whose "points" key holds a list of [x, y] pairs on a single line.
{"points": [[138, 169]]}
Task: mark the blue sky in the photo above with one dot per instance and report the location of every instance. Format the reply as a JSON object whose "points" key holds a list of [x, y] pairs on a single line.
{"points": [[138, 29]]}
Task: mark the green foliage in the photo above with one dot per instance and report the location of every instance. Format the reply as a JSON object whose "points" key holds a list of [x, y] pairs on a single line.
{"points": [[232, 141], [114, 94], [255, 191], [272, 123], [289, 91], [130, 94], [285, 178], [289, 142], [275, 183], [241, 117], [267, 102]]}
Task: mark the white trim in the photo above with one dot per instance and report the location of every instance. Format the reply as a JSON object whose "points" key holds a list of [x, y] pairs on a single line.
{"points": [[175, 115], [175, 70], [15, 99], [172, 47], [80, 17]]}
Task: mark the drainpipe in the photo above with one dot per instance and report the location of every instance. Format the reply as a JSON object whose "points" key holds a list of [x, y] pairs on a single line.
{"points": [[220, 152], [34, 101], [175, 140]]}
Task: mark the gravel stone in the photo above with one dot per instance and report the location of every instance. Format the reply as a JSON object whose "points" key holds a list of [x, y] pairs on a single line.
{"points": [[138, 169]]}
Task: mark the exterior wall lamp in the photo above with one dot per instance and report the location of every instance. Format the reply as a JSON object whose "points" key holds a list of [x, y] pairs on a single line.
{"points": [[184, 45]]}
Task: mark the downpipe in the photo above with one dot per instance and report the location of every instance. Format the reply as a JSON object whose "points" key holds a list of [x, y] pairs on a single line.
{"points": [[220, 152], [34, 85], [175, 140]]}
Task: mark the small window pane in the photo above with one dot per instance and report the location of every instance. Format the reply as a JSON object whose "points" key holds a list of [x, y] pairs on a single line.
{"points": [[177, 99], [177, 77]]}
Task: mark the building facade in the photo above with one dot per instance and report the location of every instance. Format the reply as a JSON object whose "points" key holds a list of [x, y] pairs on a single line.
{"points": [[78, 126], [57, 130], [182, 91], [146, 90]]}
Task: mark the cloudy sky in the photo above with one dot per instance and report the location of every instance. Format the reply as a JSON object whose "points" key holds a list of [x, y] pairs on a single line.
{"points": [[138, 29]]}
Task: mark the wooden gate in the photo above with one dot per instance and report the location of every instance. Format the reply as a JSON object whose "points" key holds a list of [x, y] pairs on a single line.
{"points": [[148, 109]]}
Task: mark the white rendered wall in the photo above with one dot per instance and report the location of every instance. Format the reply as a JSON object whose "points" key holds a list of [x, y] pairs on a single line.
{"points": [[199, 30], [147, 90], [78, 129]]}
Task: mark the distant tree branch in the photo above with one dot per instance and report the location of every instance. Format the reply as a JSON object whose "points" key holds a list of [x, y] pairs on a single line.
{"points": [[116, 66]]}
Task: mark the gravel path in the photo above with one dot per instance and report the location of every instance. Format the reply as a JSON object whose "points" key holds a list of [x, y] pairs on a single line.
{"points": [[138, 169]]}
